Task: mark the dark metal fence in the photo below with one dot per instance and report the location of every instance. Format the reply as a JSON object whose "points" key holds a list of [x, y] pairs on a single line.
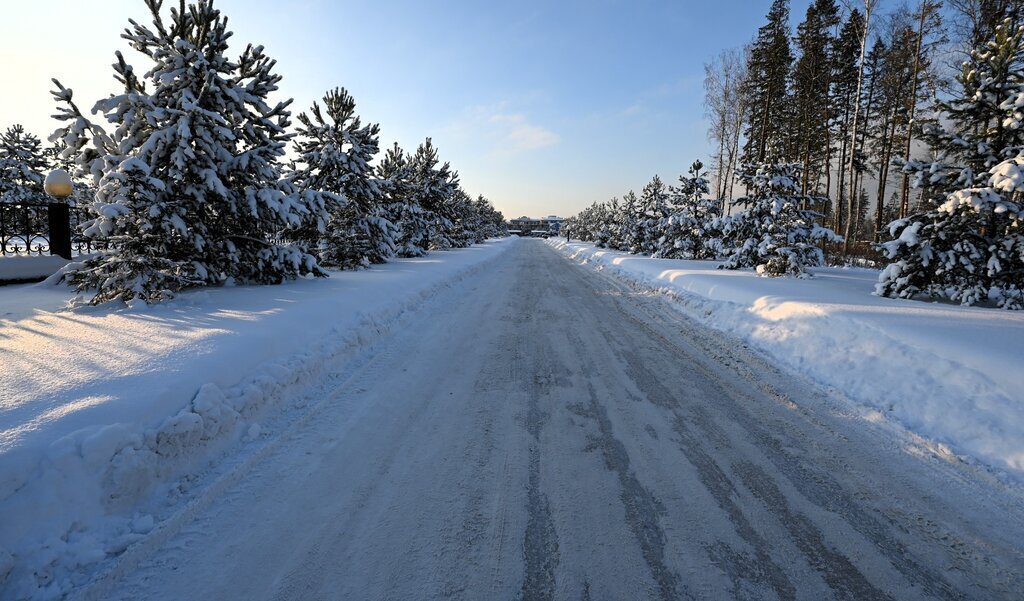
{"points": [[36, 228], [25, 229], [40, 228]]}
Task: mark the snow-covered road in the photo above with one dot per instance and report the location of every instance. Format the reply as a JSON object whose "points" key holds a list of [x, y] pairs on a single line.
{"points": [[543, 432]]}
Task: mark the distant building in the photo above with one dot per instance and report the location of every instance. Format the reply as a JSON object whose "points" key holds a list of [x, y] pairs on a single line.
{"points": [[526, 225]]}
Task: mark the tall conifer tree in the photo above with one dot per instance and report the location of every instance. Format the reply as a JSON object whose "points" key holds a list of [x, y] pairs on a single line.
{"points": [[192, 166], [334, 158], [402, 204], [22, 166], [970, 248], [845, 55], [812, 78], [434, 186], [767, 88]]}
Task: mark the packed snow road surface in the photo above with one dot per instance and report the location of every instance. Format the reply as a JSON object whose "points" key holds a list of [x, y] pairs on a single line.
{"points": [[543, 432]]}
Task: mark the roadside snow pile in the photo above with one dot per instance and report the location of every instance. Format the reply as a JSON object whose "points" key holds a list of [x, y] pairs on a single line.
{"points": [[101, 407], [29, 268], [948, 373]]}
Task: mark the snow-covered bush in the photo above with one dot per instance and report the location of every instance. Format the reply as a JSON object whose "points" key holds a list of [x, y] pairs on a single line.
{"points": [[689, 231], [775, 233], [969, 249], [653, 208]]}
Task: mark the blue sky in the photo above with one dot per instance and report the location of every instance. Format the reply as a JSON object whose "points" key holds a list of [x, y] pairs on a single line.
{"points": [[543, 107]]}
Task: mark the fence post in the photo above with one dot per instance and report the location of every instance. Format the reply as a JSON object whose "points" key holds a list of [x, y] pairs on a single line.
{"points": [[60, 229]]}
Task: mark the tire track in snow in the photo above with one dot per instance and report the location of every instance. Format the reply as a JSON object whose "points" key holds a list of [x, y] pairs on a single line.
{"points": [[815, 484], [642, 507], [540, 543], [760, 568], [842, 576], [737, 399]]}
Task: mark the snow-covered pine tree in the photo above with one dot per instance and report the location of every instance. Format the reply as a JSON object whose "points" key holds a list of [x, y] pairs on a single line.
{"points": [[586, 225], [578, 226], [474, 220], [767, 84], [473, 223], [689, 230], [498, 219], [653, 208], [192, 166], [626, 232], [601, 223], [616, 223], [608, 225], [334, 154], [774, 234], [463, 218], [85, 146], [125, 200], [487, 221], [434, 188], [969, 248], [402, 206], [844, 56], [22, 166]]}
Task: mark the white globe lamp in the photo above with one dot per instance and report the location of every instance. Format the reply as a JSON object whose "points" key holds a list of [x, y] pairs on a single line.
{"points": [[58, 184]]}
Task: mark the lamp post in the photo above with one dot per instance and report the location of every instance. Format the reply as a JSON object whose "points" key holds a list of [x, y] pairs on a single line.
{"points": [[58, 185]]}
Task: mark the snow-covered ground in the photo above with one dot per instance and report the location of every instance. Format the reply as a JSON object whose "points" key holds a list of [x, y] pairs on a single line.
{"points": [[948, 373], [99, 407], [29, 267], [541, 431]]}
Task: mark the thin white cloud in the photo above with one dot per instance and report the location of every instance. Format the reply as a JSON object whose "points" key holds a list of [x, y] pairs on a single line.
{"points": [[523, 135], [503, 131], [633, 109], [656, 95]]}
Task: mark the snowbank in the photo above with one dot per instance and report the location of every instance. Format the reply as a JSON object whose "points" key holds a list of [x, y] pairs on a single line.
{"points": [[101, 406], [16, 268], [947, 373]]}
